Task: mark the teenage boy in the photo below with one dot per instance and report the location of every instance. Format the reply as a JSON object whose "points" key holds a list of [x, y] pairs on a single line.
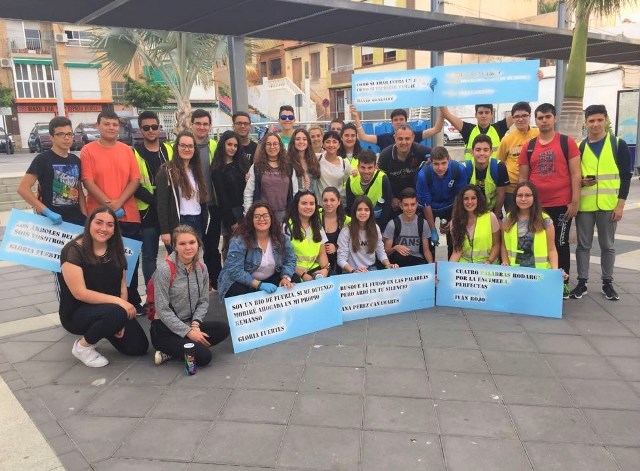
{"points": [[242, 127], [150, 155], [336, 125], [487, 173], [439, 182], [57, 171], [511, 145], [406, 237], [372, 183], [287, 121], [605, 164], [552, 163]]}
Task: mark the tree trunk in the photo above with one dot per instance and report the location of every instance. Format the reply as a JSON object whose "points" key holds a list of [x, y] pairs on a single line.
{"points": [[183, 116]]}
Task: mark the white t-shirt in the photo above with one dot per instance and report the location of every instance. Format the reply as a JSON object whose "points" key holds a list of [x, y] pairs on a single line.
{"points": [[334, 175], [190, 207], [267, 264]]}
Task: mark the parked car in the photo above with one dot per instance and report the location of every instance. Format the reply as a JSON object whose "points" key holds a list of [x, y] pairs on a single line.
{"points": [[450, 135], [39, 139], [84, 134], [130, 132], [7, 145]]}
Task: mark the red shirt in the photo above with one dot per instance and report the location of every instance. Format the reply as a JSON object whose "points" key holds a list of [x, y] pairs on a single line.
{"points": [[549, 170]]}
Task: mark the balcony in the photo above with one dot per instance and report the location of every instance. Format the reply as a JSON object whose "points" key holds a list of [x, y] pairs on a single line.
{"points": [[341, 74], [30, 46]]}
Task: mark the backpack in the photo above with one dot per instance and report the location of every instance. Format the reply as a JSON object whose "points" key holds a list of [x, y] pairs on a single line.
{"points": [[614, 146], [428, 171], [151, 304], [564, 145], [493, 169]]}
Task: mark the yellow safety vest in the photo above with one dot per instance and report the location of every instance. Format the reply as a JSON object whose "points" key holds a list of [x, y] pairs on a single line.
{"points": [[495, 142], [306, 250], [375, 188], [145, 179], [478, 249], [489, 185], [540, 252], [604, 194]]}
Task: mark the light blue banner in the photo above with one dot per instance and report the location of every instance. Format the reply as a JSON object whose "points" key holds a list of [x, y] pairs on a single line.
{"points": [[259, 319], [34, 241], [382, 292], [515, 290], [498, 82]]}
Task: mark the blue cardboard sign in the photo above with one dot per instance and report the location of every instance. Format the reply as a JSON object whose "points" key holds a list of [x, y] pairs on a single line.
{"points": [[516, 290], [259, 319], [34, 241], [496, 82], [382, 292]]}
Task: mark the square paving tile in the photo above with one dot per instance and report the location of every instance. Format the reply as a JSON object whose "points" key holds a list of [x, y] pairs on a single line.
{"points": [[478, 419], [252, 405], [497, 323], [616, 346], [192, 404], [481, 454], [627, 368], [270, 376], [545, 325], [532, 391], [241, 444], [447, 338], [627, 458], [142, 373], [400, 414], [570, 457], [616, 427], [98, 437], [64, 401], [293, 354], [603, 394], [384, 451], [393, 337], [47, 335], [395, 357], [517, 363], [606, 328], [456, 359], [580, 366], [505, 341], [124, 401], [39, 373], [553, 343], [463, 386], [351, 333], [337, 355], [97, 377], [129, 464], [320, 448], [16, 352], [396, 382], [333, 379], [328, 410], [164, 439], [217, 375], [406, 320], [57, 351], [552, 424], [441, 321]]}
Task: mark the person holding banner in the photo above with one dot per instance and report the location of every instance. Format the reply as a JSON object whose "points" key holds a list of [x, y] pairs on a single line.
{"points": [[260, 257], [304, 230], [93, 291], [304, 161], [529, 233], [360, 242], [475, 230], [181, 296], [333, 217]]}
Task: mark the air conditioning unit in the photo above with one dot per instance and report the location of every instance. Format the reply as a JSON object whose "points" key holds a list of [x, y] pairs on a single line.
{"points": [[5, 62], [60, 37]]}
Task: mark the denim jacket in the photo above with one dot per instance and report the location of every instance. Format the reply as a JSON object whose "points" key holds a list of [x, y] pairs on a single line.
{"points": [[241, 263]]}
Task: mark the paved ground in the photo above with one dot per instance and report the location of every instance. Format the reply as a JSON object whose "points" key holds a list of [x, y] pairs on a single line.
{"points": [[436, 389]]}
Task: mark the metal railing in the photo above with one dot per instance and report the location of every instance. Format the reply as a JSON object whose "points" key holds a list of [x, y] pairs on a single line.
{"points": [[30, 45]]}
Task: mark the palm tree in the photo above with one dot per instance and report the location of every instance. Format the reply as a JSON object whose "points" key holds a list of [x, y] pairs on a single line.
{"points": [[571, 117], [180, 59]]}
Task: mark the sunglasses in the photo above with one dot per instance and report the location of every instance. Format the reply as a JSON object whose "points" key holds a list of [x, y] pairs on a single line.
{"points": [[285, 117], [150, 127]]}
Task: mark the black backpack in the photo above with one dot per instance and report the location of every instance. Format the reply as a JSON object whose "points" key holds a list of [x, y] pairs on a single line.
{"points": [[564, 145]]}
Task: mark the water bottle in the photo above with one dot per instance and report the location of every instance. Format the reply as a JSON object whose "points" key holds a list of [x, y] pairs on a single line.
{"points": [[377, 211], [443, 225]]}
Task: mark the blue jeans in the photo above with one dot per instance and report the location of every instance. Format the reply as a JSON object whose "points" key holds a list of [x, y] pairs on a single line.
{"points": [[150, 238], [193, 221]]}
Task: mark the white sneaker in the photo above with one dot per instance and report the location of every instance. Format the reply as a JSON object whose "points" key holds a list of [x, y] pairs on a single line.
{"points": [[161, 357], [88, 355]]}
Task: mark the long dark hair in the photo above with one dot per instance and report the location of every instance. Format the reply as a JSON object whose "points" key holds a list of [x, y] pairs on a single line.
{"points": [[294, 216], [115, 246], [370, 227], [341, 214], [460, 216], [357, 148], [177, 172], [313, 167], [247, 231], [261, 164], [536, 221], [238, 158]]}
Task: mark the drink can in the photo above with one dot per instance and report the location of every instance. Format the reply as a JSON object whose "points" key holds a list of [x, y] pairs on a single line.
{"points": [[190, 359]]}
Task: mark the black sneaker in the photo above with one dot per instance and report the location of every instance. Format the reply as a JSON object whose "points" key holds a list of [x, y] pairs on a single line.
{"points": [[140, 309], [609, 292], [579, 291]]}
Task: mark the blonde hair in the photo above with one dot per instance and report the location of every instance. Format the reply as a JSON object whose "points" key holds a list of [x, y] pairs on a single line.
{"points": [[184, 229]]}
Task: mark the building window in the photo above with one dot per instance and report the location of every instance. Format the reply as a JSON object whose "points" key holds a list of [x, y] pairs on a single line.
{"points": [[315, 65], [263, 69], [117, 92], [32, 38], [78, 38], [367, 56], [389, 55], [275, 67], [34, 81]]}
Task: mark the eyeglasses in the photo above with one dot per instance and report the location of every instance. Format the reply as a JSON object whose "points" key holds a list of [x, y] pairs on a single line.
{"points": [[521, 116], [242, 123], [289, 117], [150, 127], [272, 144], [186, 146], [63, 134], [261, 217]]}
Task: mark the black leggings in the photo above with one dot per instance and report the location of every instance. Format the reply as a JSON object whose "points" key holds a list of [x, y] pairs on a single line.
{"points": [[237, 289], [168, 342], [103, 321], [562, 227], [406, 260]]}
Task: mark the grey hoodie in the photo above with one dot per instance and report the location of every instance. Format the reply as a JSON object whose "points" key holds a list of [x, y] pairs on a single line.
{"points": [[188, 295]]}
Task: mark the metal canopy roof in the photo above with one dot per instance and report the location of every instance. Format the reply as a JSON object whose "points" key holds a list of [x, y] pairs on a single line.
{"points": [[332, 22]]}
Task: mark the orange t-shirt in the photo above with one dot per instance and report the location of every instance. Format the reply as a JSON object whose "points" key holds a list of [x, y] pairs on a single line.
{"points": [[111, 168]]}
